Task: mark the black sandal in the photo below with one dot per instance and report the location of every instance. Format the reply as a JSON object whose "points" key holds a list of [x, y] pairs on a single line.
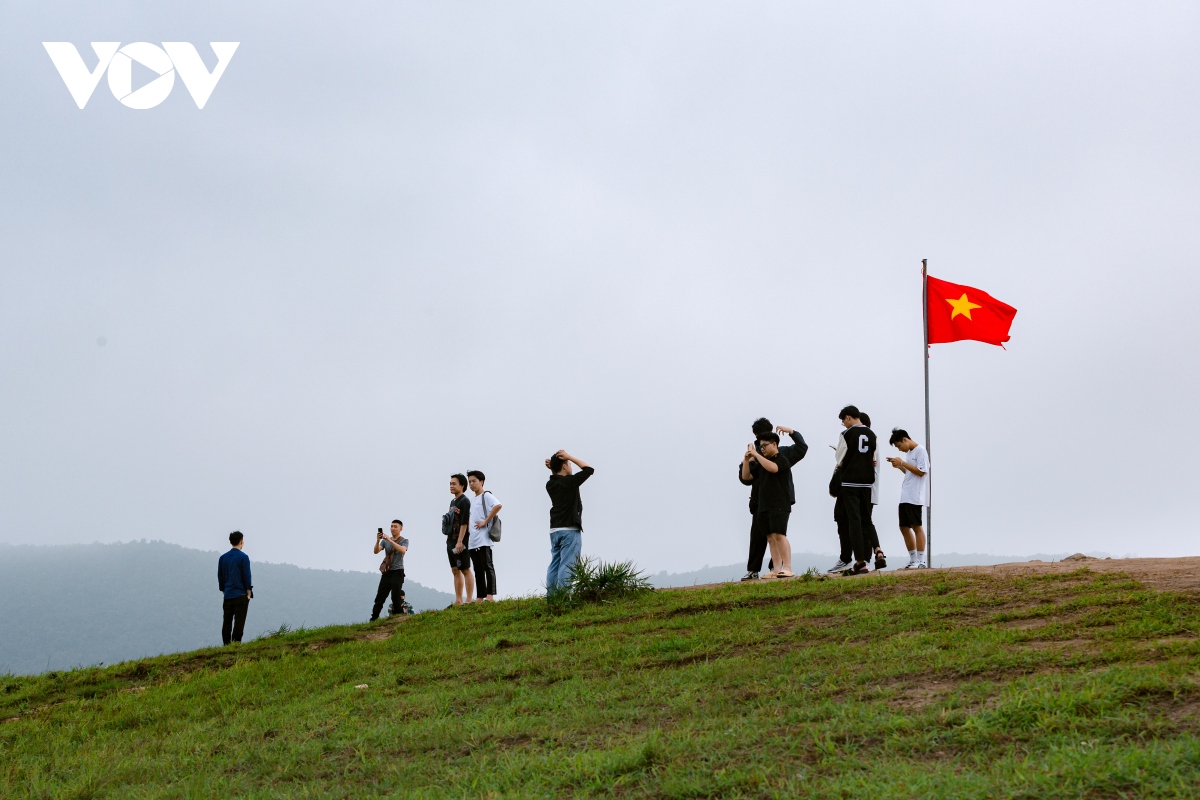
{"points": [[858, 569], [880, 559]]}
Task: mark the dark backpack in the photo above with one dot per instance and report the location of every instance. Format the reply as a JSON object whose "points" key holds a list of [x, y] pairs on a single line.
{"points": [[494, 530]]}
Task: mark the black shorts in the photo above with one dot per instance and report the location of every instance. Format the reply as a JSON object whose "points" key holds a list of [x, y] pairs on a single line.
{"points": [[910, 515], [772, 520], [459, 561]]}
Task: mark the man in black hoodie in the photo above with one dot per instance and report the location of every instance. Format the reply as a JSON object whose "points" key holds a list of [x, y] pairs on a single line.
{"points": [[758, 538], [566, 516]]}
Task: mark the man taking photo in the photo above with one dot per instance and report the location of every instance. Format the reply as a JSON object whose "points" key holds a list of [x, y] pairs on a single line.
{"points": [[392, 580]]}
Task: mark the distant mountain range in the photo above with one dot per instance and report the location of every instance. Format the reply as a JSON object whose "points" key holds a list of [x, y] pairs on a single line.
{"points": [[64, 606], [822, 562]]}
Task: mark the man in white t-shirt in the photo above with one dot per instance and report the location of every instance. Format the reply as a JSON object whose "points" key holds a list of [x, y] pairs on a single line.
{"points": [[914, 494], [484, 508]]}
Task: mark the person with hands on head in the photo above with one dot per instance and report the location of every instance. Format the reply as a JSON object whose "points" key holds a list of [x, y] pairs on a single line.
{"points": [[392, 580], [454, 525], [770, 472], [566, 516]]}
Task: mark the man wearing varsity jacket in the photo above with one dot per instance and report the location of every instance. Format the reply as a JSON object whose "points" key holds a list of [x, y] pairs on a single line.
{"points": [[856, 473]]}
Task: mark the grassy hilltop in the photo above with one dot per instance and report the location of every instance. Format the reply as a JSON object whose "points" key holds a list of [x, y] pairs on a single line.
{"points": [[931, 685]]}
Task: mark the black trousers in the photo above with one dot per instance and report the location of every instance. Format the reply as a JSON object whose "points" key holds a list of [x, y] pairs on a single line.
{"points": [[839, 517], [856, 509], [874, 542], [234, 622], [391, 582], [485, 573], [758, 545]]}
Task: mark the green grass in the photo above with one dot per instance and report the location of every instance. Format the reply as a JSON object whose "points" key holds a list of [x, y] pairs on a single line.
{"points": [[933, 685]]}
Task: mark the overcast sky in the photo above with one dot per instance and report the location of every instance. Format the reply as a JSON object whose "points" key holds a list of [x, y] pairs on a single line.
{"points": [[404, 240]]}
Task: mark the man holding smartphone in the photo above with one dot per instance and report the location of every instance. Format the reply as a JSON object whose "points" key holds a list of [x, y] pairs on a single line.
{"points": [[392, 579], [769, 471], [914, 494], [758, 536]]}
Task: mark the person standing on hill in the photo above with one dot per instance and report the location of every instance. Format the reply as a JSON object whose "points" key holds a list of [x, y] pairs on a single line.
{"points": [[880, 558], [454, 525], [914, 494], [233, 579], [770, 473], [566, 516], [484, 508], [853, 476], [392, 580], [758, 538]]}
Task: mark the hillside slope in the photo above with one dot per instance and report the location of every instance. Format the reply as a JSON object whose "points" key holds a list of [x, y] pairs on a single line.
{"points": [[980, 684], [75, 605]]}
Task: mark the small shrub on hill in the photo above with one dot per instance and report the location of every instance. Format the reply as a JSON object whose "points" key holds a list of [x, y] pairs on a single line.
{"points": [[594, 581]]}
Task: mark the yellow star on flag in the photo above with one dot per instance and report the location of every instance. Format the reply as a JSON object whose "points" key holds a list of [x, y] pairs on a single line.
{"points": [[962, 306]]}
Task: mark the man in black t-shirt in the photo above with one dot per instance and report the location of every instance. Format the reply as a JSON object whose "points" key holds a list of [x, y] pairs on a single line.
{"points": [[758, 538], [454, 525], [566, 516], [770, 473]]}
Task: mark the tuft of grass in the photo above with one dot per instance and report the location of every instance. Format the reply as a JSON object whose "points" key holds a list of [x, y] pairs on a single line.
{"points": [[282, 630], [595, 581]]}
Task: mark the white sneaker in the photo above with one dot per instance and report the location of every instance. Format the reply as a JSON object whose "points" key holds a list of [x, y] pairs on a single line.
{"points": [[837, 568], [750, 576], [912, 565], [922, 565]]}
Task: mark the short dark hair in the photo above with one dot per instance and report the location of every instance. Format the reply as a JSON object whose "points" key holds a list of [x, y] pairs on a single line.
{"points": [[462, 479], [474, 473], [235, 537], [898, 435], [760, 426], [769, 436], [556, 463], [865, 419], [850, 411], [398, 522]]}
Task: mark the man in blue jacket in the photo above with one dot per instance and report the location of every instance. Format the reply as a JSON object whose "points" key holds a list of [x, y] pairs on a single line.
{"points": [[233, 579]]}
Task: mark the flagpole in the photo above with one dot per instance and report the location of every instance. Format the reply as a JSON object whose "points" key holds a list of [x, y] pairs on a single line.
{"points": [[925, 325]]}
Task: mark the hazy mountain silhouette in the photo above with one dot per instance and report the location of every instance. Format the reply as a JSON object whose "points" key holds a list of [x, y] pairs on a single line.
{"points": [[75, 605]]}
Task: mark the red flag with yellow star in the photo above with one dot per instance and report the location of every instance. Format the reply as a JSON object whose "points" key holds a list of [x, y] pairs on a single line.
{"points": [[964, 312]]}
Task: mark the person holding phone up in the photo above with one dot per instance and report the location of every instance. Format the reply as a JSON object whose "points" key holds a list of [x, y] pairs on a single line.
{"points": [[392, 580]]}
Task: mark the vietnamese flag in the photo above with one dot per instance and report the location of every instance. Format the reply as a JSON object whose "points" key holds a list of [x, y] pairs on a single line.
{"points": [[956, 312]]}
